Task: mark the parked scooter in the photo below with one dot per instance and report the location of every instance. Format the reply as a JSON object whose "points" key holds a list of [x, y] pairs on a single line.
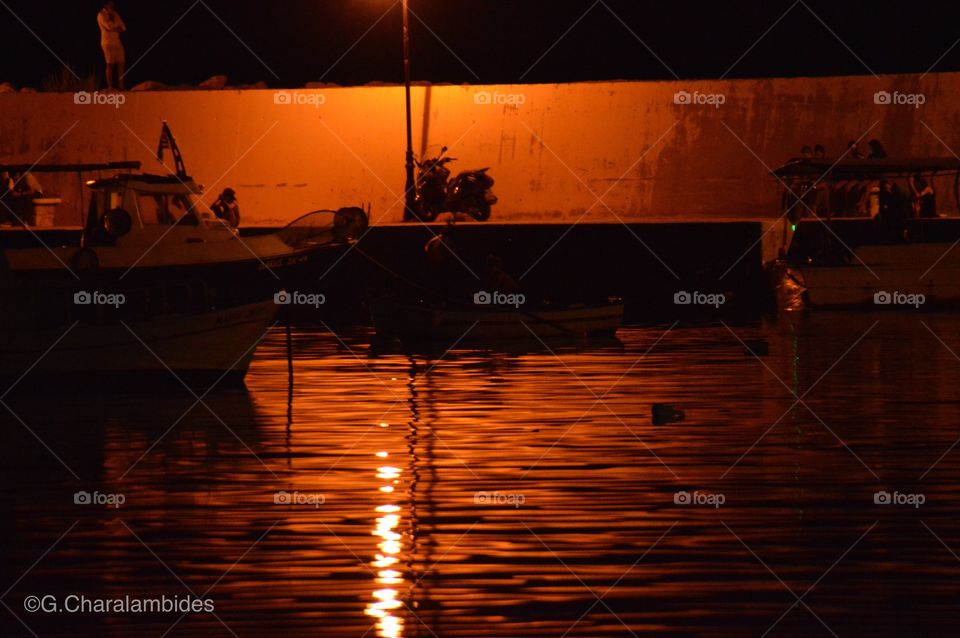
{"points": [[469, 193]]}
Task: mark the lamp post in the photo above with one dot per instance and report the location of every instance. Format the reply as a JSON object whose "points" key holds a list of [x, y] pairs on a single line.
{"points": [[411, 191]]}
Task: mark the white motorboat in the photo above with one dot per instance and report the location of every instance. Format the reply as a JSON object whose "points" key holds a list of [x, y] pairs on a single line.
{"points": [[157, 284], [872, 237]]}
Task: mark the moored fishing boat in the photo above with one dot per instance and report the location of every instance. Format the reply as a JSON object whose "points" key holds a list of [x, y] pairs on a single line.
{"points": [[157, 284]]}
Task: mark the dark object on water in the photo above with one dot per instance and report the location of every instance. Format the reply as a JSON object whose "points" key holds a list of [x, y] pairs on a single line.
{"points": [[487, 321], [756, 348], [663, 414]]}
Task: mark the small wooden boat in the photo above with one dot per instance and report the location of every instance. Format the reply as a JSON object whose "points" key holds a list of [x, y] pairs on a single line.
{"points": [[433, 321]]}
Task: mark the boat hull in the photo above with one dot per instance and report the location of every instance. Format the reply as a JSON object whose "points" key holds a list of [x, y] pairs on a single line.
{"points": [[923, 272], [196, 349], [420, 321]]}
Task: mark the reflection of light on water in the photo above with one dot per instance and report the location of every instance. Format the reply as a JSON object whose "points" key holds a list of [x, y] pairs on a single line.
{"points": [[387, 472], [386, 526]]}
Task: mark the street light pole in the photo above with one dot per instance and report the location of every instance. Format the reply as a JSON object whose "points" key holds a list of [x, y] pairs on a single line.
{"points": [[411, 191]]}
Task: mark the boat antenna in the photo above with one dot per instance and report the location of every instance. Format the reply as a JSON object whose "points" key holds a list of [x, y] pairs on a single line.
{"points": [[167, 140]]}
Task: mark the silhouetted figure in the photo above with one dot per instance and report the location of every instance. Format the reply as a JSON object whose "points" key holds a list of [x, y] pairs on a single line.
{"points": [[444, 264], [806, 152], [892, 214], [496, 278], [876, 150], [922, 197], [819, 152], [227, 207], [17, 191], [6, 193], [853, 151], [111, 26]]}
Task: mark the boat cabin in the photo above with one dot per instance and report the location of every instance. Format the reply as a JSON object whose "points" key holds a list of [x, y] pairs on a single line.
{"points": [[866, 188], [142, 208]]}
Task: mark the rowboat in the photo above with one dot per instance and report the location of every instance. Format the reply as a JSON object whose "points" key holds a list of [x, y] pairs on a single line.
{"points": [[422, 320]]}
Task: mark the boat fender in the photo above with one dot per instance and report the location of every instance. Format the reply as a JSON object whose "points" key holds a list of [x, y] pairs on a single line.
{"points": [[349, 223], [117, 222], [86, 260]]}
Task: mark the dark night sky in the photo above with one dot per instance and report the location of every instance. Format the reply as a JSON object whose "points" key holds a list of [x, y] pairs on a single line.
{"points": [[497, 40]]}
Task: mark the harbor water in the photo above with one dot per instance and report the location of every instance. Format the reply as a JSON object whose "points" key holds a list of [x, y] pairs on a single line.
{"points": [[809, 489]]}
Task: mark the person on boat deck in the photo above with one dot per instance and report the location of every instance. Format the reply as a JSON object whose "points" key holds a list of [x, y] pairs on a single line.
{"points": [[853, 151], [111, 26], [227, 207], [6, 192], [819, 152], [893, 209], [18, 192], [806, 152], [922, 197], [876, 150]]}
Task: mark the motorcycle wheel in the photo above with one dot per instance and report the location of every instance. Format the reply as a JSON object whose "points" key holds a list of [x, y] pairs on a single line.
{"points": [[480, 212]]}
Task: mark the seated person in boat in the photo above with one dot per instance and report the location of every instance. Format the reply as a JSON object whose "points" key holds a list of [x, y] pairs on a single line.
{"points": [[450, 276], [227, 207], [496, 278]]}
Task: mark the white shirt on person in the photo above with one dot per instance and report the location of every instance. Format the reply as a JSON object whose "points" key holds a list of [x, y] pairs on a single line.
{"points": [[111, 26]]}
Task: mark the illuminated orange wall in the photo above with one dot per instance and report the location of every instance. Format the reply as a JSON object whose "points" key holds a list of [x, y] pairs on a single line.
{"points": [[553, 149]]}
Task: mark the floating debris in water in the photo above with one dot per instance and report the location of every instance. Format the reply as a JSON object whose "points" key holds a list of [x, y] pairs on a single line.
{"points": [[663, 414], [756, 348]]}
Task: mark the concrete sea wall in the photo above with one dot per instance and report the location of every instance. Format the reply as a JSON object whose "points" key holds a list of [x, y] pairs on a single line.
{"points": [[560, 153]]}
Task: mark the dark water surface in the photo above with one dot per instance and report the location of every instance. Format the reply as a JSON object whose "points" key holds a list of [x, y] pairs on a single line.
{"points": [[497, 493]]}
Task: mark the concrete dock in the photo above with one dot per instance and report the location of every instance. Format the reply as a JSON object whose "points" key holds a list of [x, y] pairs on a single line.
{"points": [[646, 263]]}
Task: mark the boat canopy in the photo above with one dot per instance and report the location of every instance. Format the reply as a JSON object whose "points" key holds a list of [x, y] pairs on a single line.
{"points": [[866, 169], [69, 168], [145, 179]]}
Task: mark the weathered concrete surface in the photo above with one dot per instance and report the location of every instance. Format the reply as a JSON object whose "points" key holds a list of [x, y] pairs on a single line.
{"points": [[560, 153]]}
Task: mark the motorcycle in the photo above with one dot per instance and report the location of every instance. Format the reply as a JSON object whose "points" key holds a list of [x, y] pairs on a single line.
{"points": [[469, 193]]}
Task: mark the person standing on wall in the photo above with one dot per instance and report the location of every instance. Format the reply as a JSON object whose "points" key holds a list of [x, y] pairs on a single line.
{"points": [[111, 26]]}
